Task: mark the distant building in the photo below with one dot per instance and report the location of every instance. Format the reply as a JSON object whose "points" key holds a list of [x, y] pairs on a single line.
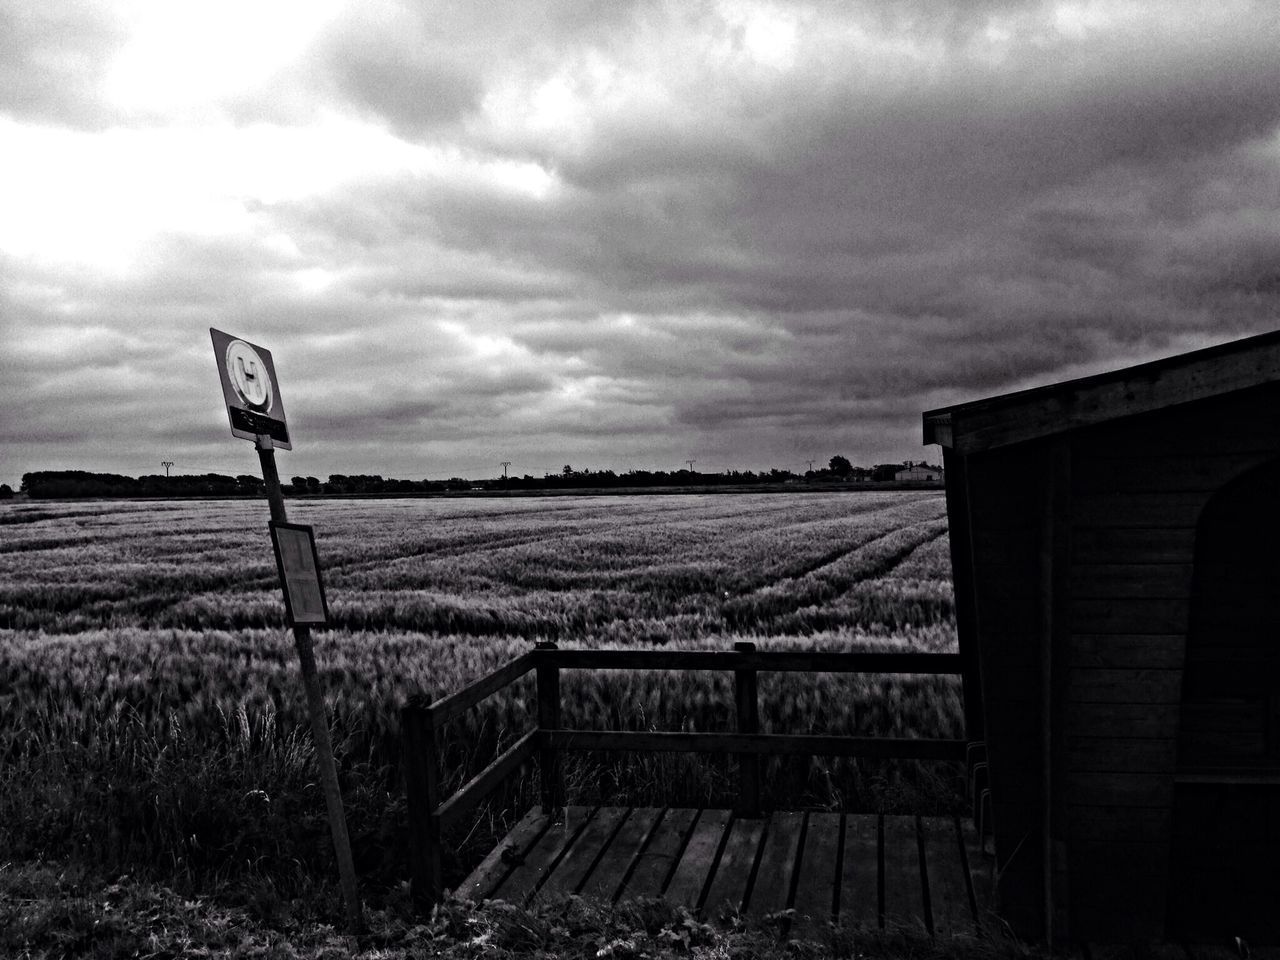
{"points": [[918, 473]]}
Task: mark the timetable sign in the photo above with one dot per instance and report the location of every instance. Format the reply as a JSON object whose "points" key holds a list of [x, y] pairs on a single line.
{"points": [[299, 566]]}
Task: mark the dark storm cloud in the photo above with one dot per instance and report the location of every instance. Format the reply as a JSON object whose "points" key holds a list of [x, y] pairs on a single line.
{"points": [[660, 229]]}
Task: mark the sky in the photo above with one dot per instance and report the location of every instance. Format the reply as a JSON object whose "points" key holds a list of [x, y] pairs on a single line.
{"points": [[617, 236]]}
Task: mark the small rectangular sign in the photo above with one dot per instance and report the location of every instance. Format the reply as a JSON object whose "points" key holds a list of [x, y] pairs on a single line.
{"points": [[250, 389], [299, 566]]}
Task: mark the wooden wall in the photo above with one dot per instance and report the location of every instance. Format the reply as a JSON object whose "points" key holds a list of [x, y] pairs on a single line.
{"points": [[1106, 572]]}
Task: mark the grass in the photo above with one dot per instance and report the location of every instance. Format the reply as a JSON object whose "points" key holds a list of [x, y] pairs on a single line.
{"points": [[151, 721]]}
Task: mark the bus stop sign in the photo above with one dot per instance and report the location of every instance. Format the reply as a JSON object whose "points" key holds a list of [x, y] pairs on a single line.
{"points": [[251, 390]]}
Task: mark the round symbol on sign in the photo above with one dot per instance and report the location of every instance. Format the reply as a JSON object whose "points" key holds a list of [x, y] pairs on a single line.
{"points": [[249, 375]]}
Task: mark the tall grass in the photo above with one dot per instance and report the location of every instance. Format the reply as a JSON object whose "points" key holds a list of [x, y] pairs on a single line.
{"points": [[150, 715]]}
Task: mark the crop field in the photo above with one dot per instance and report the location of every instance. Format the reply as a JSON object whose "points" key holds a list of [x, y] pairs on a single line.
{"points": [[150, 712]]}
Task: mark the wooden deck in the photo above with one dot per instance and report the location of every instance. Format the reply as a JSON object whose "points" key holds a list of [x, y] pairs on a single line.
{"points": [[856, 869]]}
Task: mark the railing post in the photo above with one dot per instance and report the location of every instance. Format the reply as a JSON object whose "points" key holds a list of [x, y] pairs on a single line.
{"points": [[747, 701], [422, 791], [548, 674]]}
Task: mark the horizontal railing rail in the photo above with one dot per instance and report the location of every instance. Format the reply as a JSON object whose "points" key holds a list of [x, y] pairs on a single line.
{"points": [[430, 813]]}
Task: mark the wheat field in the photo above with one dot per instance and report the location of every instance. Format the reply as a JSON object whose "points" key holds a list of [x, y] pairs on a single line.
{"points": [[150, 711]]}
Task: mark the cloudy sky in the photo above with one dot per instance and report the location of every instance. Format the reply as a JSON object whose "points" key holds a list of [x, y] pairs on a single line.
{"points": [[612, 235]]}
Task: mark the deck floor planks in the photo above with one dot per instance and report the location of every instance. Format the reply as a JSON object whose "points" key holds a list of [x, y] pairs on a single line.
{"points": [[606, 880], [772, 890], [728, 887], [698, 859], [658, 859], [903, 888], [980, 866], [577, 863], [860, 878], [493, 869], [545, 854], [944, 872], [815, 891]]}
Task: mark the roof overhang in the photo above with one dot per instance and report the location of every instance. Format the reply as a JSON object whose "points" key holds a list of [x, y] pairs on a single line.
{"points": [[1043, 411]]}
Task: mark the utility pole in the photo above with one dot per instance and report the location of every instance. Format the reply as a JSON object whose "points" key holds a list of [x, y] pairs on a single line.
{"points": [[166, 464], [505, 464], [691, 463], [811, 463]]}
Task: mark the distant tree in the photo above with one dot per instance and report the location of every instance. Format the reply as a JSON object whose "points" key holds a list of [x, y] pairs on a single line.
{"points": [[313, 484], [6, 491], [567, 471], [885, 471], [840, 466]]}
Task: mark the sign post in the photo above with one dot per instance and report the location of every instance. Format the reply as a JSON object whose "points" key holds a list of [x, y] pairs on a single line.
{"points": [[252, 393]]}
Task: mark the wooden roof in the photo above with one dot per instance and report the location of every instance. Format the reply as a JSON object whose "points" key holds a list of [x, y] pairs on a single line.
{"points": [[1043, 411]]}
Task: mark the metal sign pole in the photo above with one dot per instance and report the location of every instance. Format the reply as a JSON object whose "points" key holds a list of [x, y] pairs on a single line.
{"points": [[319, 720]]}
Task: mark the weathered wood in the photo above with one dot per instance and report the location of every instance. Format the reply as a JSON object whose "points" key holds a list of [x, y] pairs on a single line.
{"points": [[577, 863], [1088, 685], [548, 674], [422, 793], [540, 860], [698, 859], [979, 866], [774, 876], [858, 900], [474, 791], [1121, 754], [1131, 579], [727, 892], [1043, 411], [657, 861], [763, 661], [606, 881], [776, 743], [943, 868], [903, 886], [1128, 651], [1140, 545], [1128, 615], [747, 708], [1118, 510], [1129, 824], [1109, 467], [458, 703], [1120, 789], [960, 530], [493, 869], [815, 891], [1159, 721]]}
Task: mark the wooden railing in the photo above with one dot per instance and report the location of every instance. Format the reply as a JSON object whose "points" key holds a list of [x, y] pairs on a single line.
{"points": [[430, 813]]}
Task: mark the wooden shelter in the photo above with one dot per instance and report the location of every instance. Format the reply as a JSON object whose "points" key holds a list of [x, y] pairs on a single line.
{"points": [[1116, 550]]}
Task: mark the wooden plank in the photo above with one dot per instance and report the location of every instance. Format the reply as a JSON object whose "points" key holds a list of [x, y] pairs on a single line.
{"points": [[1128, 651], [951, 912], [815, 889], [771, 892], [759, 743], [698, 859], [1126, 578], [981, 870], [1149, 824], [1117, 510], [606, 880], [659, 857], [493, 869], [1120, 789], [577, 863], [727, 893], [903, 884], [1132, 615], [1159, 721], [1109, 467], [474, 792], [1088, 685], [541, 859], [1147, 545], [456, 704], [858, 902], [1121, 754]]}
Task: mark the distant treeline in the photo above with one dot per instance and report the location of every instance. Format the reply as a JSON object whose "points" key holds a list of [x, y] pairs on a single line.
{"points": [[53, 484]]}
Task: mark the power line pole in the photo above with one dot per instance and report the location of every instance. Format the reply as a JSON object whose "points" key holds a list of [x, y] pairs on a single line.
{"points": [[691, 463], [811, 463], [505, 464], [166, 464]]}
